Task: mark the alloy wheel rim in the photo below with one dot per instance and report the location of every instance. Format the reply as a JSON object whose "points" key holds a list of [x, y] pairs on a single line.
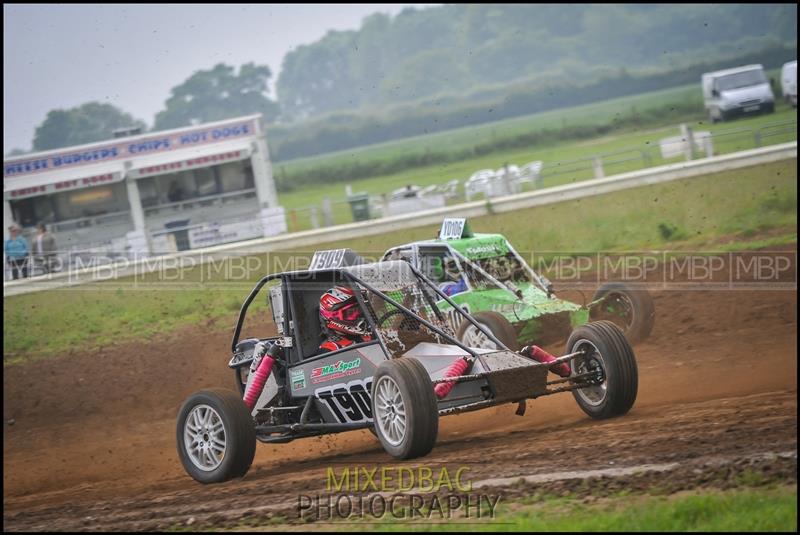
{"points": [[593, 394], [204, 438], [473, 337], [626, 319], [390, 411]]}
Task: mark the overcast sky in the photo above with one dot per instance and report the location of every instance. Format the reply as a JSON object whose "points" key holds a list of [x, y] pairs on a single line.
{"points": [[61, 56]]}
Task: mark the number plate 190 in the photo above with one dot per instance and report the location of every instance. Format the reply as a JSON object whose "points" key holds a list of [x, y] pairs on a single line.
{"points": [[349, 402]]}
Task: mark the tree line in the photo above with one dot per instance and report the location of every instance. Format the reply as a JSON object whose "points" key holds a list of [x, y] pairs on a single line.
{"points": [[348, 130], [453, 49], [449, 66]]}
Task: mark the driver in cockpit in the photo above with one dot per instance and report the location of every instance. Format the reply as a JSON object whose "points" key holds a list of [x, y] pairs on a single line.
{"points": [[342, 322], [449, 277]]}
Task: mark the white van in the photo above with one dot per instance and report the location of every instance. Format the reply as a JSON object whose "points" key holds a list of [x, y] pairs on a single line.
{"points": [[789, 82], [738, 91]]}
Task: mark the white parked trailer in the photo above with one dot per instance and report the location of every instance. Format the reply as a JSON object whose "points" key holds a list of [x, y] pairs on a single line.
{"points": [[789, 82]]}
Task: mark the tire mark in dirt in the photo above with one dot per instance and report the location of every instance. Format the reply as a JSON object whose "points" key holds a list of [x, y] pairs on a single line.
{"points": [[94, 434], [691, 432]]}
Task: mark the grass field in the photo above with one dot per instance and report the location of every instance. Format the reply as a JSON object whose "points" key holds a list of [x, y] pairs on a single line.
{"points": [[749, 207], [751, 510], [460, 138], [597, 113], [626, 151], [739, 203]]}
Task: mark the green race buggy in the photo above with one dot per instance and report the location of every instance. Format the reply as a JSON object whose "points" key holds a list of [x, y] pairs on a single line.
{"points": [[486, 276]]}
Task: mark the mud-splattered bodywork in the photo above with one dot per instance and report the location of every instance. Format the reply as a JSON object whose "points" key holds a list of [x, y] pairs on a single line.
{"points": [[496, 279], [334, 389]]}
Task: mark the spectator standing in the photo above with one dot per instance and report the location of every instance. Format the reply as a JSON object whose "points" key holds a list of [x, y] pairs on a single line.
{"points": [[45, 248], [16, 249]]}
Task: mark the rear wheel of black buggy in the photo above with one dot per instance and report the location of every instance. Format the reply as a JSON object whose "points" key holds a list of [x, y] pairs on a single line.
{"points": [[404, 408], [216, 436], [613, 380]]}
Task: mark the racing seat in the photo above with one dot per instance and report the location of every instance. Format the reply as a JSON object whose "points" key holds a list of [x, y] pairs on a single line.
{"points": [[307, 329]]}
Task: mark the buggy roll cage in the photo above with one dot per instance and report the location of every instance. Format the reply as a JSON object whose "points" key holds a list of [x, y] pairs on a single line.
{"points": [[537, 279], [354, 279]]}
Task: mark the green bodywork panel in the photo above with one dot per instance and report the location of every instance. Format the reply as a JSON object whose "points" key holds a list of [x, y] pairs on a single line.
{"points": [[535, 317], [529, 316], [533, 304], [479, 247]]}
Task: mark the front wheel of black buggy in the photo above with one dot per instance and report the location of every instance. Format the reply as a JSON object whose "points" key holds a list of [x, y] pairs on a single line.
{"points": [[404, 408], [216, 436], [608, 369]]}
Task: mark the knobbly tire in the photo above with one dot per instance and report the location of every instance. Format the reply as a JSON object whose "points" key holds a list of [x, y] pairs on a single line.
{"points": [[609, 353], [404, 408], [496, 323], [631, 310], [216, 436]]}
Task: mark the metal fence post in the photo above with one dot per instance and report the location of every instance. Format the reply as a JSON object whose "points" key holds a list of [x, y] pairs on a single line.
{"points": [[708, 146], [688, 140], [327, 212], [385, 205], [648, 161], [597, 164]]}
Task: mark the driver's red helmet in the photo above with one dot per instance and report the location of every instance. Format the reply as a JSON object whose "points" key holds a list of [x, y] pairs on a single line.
{"points": [[339, 312]]}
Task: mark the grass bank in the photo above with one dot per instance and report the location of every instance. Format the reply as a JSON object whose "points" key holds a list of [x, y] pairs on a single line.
{"points": [[755, 206], [750, 510], [565, 161]]}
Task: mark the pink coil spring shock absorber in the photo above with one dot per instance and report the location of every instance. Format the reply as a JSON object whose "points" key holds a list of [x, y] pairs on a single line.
{"points": [[458, 367], [540, 355], [259, 380]]}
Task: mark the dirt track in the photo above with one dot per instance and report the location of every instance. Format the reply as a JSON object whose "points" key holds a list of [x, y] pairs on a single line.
{"points": [[92, 444]]}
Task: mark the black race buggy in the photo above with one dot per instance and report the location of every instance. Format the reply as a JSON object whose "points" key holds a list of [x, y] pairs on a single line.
{"points": [[413, 371]]}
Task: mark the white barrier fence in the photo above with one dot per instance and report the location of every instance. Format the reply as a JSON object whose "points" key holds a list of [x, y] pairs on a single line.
{"points": [[578, 190]]}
